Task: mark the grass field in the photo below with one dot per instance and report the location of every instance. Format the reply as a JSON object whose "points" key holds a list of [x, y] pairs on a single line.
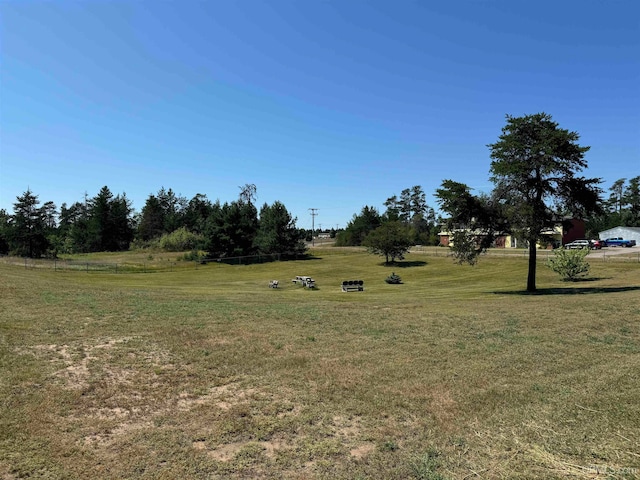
{"points": [[208, 373]]}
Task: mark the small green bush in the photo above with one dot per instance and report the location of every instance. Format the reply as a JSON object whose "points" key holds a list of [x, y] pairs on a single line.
{"points": [[193, 256], [393, 279], [569, 264]]}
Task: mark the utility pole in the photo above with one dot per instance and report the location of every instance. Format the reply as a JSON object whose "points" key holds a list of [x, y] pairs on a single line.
{"points": [[313, 218]]}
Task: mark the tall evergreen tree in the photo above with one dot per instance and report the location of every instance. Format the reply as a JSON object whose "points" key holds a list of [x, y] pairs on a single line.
{"points": [[5, 220], [151, 223], [277, 231], [359, 227], [535, 166], [27, 231], [631, 201], [616, 197], [101, 234], [74, 221], [196, 213], [121, 222], [173, 207], [412, 209], [231, 230], [393, 208]]}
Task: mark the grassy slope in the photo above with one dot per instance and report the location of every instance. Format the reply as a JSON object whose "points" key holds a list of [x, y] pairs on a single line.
{"points": [[210, 374]]}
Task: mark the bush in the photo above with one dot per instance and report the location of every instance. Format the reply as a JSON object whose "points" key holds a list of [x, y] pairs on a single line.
{"points": [[139, 244], [193, 256], [569, 264], [180, 240], [393, 279]]}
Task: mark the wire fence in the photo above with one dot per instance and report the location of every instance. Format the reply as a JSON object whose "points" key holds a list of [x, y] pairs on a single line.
{"points": [[63, 265], [605, 255]]}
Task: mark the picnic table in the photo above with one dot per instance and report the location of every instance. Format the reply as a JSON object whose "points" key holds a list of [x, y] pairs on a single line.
{"points": [[305, 281]]}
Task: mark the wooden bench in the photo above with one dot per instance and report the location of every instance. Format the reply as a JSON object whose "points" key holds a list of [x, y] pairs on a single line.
{"points": [[353, 286]]}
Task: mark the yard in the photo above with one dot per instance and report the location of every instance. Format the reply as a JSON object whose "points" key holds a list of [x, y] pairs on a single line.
{"points": [[456, 373]]}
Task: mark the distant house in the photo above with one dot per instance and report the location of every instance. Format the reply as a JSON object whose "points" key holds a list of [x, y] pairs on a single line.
{"points": [[628, 233], [563, 233], [446, 237]]}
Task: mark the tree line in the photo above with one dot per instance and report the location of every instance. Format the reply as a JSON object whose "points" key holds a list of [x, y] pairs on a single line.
{"points": [[107, 222], [535, 169], [409, 221]]}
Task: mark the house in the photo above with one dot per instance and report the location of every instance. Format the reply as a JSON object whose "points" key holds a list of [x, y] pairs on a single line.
{"points": [[562, 233], [446, 237], [628, 233]]}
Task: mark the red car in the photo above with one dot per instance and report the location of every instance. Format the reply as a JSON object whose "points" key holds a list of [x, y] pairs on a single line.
{"points": [[597, 244]]}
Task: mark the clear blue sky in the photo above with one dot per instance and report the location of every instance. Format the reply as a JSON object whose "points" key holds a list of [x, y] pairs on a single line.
{"points": [[331, 104]]}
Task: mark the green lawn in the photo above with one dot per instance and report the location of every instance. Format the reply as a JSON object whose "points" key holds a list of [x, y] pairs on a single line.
{"points": [[208, 373]]}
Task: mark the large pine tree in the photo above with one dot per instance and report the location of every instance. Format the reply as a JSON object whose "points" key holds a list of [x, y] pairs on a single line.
{"points": [[535, 170]]}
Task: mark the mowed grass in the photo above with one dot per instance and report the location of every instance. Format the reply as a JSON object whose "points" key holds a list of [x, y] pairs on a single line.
{"points": [[208, 373]]}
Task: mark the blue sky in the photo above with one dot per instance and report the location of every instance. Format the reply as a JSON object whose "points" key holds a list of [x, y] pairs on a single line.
{"points": [[332, 104]]}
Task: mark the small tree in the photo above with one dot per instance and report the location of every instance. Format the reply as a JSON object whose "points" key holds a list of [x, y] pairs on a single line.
{"points": [[569, 264], [393, 279], [464, 247], [391, 240]]}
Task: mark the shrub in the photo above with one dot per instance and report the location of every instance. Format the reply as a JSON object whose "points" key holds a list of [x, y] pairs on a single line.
{"points": [[569, 264], [393, 279], [180, 240], [193, 256]]}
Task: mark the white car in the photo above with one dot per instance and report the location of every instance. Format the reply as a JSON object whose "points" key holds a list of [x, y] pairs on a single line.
{"points": [[578, 244]]}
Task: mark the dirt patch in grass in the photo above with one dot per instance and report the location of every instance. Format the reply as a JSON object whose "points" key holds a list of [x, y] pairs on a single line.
{"points": [[223, 397], [362, 450]]}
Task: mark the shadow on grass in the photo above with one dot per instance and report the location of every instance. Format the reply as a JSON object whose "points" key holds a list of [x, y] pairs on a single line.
{"points": [[417, 263], [308, 257], [570, 291]]}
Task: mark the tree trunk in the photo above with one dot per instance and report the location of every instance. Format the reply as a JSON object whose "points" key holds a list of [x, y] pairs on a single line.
{"points": [[531, 277]]}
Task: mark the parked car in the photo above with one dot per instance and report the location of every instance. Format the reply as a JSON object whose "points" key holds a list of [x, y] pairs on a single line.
{"points": [[578, 244], [597, 244], [619, 242]]}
